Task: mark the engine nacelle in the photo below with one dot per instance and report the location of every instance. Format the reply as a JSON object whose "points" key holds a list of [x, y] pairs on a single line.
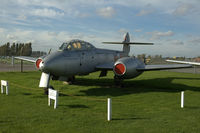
{"points": [[126, 67]]}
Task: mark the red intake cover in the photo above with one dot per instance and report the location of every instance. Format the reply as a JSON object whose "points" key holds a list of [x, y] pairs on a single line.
{"points": [[119, 69], [38, 63]]}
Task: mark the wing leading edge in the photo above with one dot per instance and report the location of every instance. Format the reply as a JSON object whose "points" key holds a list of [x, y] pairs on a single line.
{"points": [[26, 58], [109, 66], [163, 67], [184, 62]]}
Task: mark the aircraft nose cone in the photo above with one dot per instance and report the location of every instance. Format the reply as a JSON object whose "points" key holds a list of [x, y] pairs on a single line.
{"points": [[51, 63], [47, 66]]}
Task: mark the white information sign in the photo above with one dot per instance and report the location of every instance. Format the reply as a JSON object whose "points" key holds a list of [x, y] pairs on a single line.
{"points": [[53, 94], [4, 84]]}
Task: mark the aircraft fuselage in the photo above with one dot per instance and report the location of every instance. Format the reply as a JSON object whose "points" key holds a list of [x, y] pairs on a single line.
{"points": [[70, 63]]}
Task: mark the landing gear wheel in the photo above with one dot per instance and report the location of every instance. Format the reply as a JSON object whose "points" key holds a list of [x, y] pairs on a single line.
{"points": [[118, 81], [71, 80]]}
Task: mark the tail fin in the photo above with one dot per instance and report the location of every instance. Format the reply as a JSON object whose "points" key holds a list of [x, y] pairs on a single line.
{"points": [[126, 38], [126, 46], [126, 43]]}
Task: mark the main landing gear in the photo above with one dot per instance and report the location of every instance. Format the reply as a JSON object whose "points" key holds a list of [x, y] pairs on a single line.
{"points": [[118, 81], [71, 80]]}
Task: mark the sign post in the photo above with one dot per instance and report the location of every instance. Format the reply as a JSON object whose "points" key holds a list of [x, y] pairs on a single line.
{"points": [[4, 84], [12, 61], [53, 94]]}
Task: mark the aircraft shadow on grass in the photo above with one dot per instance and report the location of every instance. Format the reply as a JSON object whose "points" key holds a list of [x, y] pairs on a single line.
{"points": [[106, 87]]}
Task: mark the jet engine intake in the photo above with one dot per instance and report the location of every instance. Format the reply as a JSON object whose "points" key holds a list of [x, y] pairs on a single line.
{"points": [[37, 63], [126, 67]]}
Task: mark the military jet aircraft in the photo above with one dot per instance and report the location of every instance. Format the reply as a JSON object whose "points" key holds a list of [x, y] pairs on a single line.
{"points": [[77, 57]]}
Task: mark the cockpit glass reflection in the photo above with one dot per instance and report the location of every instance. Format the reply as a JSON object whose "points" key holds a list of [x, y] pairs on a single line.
{"points": [[76, 45]]}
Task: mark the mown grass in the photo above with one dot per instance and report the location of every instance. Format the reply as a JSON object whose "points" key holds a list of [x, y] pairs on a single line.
{"points": [[149, 103]]}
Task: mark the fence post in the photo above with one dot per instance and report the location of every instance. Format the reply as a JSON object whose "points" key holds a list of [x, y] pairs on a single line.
{"points": [[182, 99], [109, 109]]}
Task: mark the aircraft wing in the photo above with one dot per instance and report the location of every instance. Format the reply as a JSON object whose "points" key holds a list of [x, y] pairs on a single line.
{"points": [[26, 58], [163, 67], [184, 62], [107, 66]]}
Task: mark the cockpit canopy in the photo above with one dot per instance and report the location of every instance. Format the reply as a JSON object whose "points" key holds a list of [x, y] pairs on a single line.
{"points": [[75, 45]]}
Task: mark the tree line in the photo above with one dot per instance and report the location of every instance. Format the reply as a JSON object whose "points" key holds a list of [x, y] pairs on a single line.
{"points": [[19, 49], [16, 49]]}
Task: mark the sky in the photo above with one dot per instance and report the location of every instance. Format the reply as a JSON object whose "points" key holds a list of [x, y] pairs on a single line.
{"points": [[173, 25]]}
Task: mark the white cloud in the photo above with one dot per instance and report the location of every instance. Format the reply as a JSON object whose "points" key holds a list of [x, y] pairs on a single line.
{"points": [[76, 36], [46, 12], [144, 12], [138, 30], [194, 41], [176, 42], [106, 12], [157, 34], [51, 33], [183, 9], [22, 17], [2, 29], [11, 37], [77, 13], [123, 30]]}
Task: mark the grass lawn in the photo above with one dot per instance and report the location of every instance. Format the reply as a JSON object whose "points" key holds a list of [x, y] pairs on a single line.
{"points": [[149, 103]]}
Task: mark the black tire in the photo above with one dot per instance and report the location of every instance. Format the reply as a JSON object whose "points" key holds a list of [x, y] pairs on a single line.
{"points": [[71, 80]]}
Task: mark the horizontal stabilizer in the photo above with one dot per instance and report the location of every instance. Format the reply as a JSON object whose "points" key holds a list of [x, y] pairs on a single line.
{"points": [[133, 43]]}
